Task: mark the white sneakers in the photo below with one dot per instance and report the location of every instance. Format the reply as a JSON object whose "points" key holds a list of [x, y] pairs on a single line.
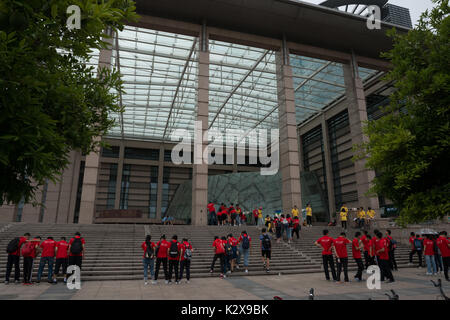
{"points": [[246, 271], [145, 283]]}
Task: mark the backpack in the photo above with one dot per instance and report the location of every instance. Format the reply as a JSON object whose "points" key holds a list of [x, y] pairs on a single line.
{"points": [[266, 242], [27, 249], [418, 244], [228, 249], [187, 253], [291, 224], [150, 253], [173, 252], [13, 245], [245, 242], [77, 246]]}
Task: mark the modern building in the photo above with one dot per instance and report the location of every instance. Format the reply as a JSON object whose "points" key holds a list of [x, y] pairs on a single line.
{"points": [[313, 72]]}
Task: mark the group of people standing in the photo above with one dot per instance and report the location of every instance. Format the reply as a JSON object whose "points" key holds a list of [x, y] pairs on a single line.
{"points": [[232, 215], [61, 253], [435, 249], [363, 218]]}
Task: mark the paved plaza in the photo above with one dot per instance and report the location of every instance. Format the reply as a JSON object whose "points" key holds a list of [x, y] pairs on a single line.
{"points": [[411, 284]]}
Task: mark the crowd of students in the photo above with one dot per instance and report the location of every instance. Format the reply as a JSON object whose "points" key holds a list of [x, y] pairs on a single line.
{"points": [[435, 249], [59, 253], [378, 250], [174, 256], [362, 220]]}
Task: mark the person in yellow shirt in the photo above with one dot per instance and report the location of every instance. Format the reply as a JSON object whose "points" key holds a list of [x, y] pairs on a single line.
{"points": [[344, 215], [308, 215], [361, 217], [260, 216], [370, 216], [295, 211]]}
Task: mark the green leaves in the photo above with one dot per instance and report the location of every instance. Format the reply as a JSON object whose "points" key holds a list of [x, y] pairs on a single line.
{"points": [[51, 103], [409, 147]]}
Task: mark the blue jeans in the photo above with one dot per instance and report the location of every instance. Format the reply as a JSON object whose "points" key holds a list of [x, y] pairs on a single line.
{"points": [[44, 261], [245, 253], [238, 220], [148, 263], [431, 263], [289, 233]]}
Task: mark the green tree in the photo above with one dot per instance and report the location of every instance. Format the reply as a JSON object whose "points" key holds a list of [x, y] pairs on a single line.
{"points": [[51, 102], [409, 147]]}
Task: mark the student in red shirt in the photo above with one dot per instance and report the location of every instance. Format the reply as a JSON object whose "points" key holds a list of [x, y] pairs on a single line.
{"points": [[233, 242], [233, 215], [326, 244], [76, 250], [365, 241], [255, 215], [173, 254], [185, 261], [428, 250], [148, 259], [14, 259], [443, 243], [161, 257], [392, 245], [357, 246], [219, 253], [47, 256], [340, 248], [296, 227], [382, 253], [413, 248], [212, 214], [30, 250], [62, 258]]}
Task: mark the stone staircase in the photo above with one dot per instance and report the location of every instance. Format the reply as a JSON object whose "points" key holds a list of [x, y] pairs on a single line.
{"points": [[113, 251]]}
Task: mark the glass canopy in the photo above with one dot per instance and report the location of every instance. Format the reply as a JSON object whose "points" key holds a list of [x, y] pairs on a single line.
{"points": [[159, 71]]}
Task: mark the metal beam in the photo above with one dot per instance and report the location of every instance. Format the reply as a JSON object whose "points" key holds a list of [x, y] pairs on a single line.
{"points": [[179, 84], [315, 73], [237, 87], [120, 93]]}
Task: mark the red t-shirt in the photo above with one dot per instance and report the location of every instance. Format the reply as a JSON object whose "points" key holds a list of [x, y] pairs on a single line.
{"points": [[379, 244], [341, 247], [232, 210], [233, 241], [326, 242], [185, 245], [211, 207], [144, 247], [36, 245], [249, 239], [366, 242], [48, 248], [289, 220], [411, 240], [356, 252], [372, 245], [163, 245], [442, 244], [63, 248], [219, 246], [179, 250], [70, 243], [256, 213], [429, 250], [296, 223], [22, 240]]}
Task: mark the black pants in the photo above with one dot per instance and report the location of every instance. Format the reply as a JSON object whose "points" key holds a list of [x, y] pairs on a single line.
{"points": [[13, 260], [342, 263], [27, 268], [308, 220], [233, 219], [296, 231], [446, 261], [328, 260], [344, 224], [437, 259], [173, 267], [61, 262], [367, 259], [158, 264], [75, 260], [392, 261], [385, 269], [185, 264], [220, 256], [360, 268], [256, 221]]}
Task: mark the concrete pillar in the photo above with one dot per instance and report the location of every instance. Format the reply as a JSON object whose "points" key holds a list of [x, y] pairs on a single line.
{"points": [[328, 168], [357, 112], [90, 179], [289, 153], [200, 169]]}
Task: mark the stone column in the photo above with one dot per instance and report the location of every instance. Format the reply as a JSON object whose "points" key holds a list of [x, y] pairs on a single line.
{"points": [[357, 112], [328, 168], [90, 179], [289, 162], [200, 168], [160, 182]]}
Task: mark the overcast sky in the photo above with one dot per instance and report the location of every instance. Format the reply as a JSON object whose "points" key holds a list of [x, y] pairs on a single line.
{"points": [[416, 7]]}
